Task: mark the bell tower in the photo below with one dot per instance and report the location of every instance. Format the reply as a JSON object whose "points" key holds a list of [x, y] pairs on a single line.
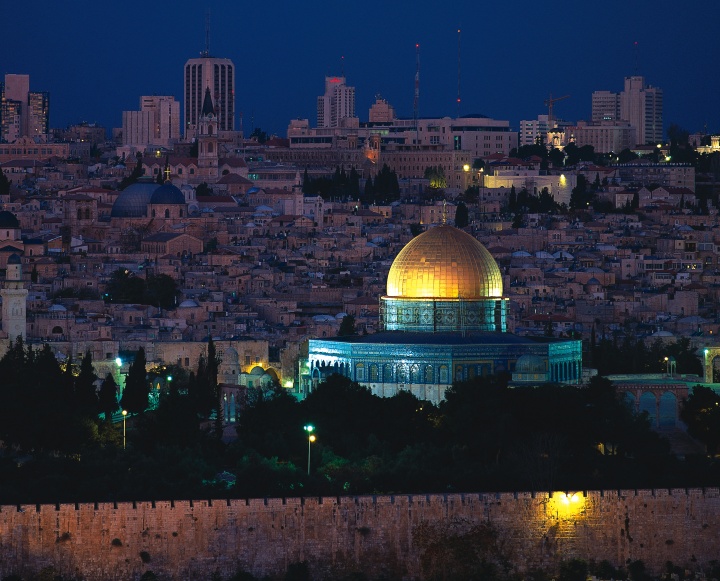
{"points": [[208, 141], [14, 300]]}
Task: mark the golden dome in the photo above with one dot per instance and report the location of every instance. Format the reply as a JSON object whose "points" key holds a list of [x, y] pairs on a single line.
{"points": [[444, 263]]}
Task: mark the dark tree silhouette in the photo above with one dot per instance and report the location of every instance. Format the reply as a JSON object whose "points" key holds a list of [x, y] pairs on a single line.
{"points": [[347, 326], [137, 388], [108, 397], [461, 216], [85, 394]]}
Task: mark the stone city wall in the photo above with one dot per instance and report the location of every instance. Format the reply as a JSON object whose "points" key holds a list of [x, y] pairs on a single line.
{"points": [[373, 534]]}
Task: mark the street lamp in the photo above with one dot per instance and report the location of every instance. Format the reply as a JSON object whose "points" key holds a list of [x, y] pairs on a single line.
{"points": [[311, 438], [124, 415]]}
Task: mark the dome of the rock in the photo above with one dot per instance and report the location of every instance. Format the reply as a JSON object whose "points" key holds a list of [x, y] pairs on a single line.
{"points": [[444, 263]]}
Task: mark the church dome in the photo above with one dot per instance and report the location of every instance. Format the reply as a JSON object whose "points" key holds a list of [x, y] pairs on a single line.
{"points": [[8, 220], [133, 200], [444, 263], [14, 259], [167, 194]]}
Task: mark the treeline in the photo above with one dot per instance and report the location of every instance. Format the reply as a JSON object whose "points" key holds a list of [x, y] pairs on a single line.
{"points": [[630, 354], [524, 202], [485, 436], [345, 185]]}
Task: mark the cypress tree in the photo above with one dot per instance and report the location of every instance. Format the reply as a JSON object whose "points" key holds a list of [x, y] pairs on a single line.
{"points": [[86, 397], [137, 388], [107, 397]]}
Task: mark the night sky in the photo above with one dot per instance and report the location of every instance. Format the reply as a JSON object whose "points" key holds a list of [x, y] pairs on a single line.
{"points": [[97, 59]]}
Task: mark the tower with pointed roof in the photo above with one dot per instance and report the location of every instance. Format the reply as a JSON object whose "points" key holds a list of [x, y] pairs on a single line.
{"points": [[208, 142], [14, 300]]}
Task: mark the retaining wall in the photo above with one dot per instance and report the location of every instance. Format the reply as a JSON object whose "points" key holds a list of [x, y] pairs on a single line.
{"points": [[375, 534]]}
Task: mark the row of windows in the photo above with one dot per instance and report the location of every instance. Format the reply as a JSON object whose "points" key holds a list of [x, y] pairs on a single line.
{"points": [[31, 151], [401, 374], [416, 373]]}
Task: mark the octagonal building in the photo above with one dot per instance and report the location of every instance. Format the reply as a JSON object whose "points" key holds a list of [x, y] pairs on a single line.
{"points": [[443, 319]]}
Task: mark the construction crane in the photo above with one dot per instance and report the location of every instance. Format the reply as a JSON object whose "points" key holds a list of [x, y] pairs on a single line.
{"points": [[549, 102]]}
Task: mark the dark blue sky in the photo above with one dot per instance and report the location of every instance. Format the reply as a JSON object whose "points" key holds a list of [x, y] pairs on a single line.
{"points": [[97, 59]]}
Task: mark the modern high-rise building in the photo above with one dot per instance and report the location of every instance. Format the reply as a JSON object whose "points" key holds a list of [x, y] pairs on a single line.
{"points": [[38, 113], [639, 104], [337, 104], [22, 113], [605, 106], [642, 106], [157, 122], [218, 75]]}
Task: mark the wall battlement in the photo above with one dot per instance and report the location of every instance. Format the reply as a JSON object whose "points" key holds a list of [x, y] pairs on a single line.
{"points": [[375, 534]]}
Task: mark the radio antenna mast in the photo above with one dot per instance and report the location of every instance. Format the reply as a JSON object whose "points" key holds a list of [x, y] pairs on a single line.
{"points": [[206, 52], [417, 93], [458, 97]]}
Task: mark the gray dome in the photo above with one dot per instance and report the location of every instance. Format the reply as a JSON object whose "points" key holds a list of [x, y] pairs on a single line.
{"points": [[14, 259], [133, 200], [529, 363], [8, 220], [167, 194]]}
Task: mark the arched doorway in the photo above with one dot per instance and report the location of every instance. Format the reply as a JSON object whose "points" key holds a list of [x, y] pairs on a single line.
{"points": [[709, 355]]}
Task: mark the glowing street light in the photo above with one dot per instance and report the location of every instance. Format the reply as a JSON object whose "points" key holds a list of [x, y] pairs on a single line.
{"points": [[124, 415], [311, 438]]}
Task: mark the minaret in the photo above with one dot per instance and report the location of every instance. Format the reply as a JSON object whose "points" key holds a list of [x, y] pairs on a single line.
{"points": [[208, 142], [14, 300]]}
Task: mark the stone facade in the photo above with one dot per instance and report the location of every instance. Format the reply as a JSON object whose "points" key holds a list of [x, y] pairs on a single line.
{"points": [[374, 534]]}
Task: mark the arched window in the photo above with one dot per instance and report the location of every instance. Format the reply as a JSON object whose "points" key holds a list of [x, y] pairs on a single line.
{"points": [[387, 373], [458, 373], [167, 213], [360, 372], [210, 130], [210, 147], [415, 376], [57, 330], [87, 213], [374, 375], [429, 378], [79, 214], [153, 213]]}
